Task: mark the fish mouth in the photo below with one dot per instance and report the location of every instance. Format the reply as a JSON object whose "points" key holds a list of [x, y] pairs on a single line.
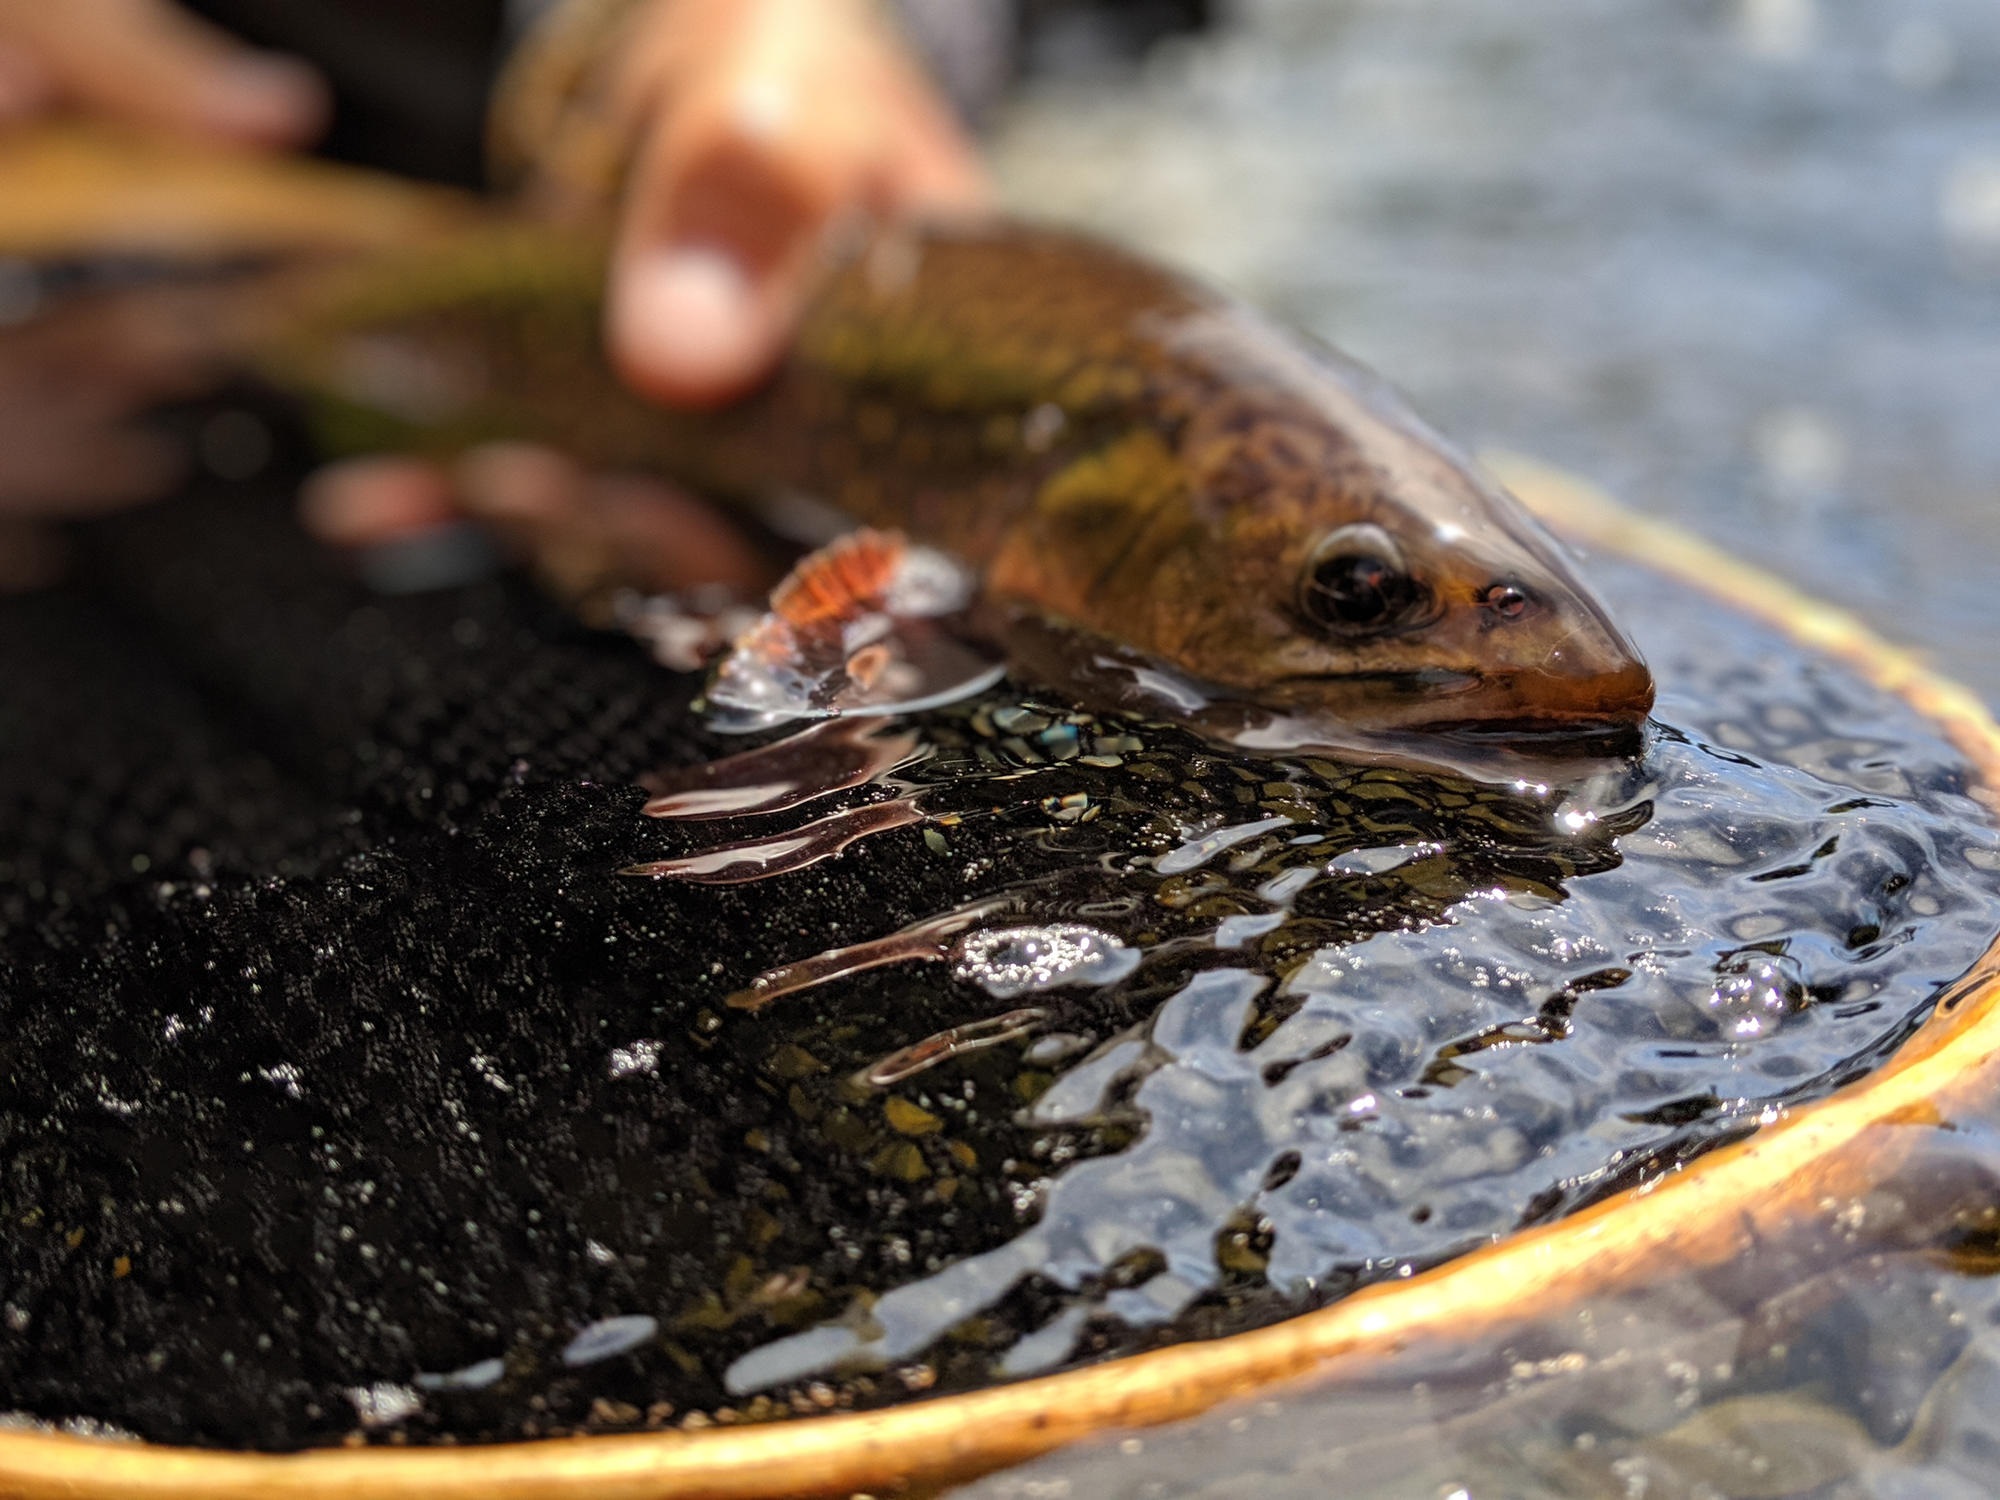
{"points": [[1606, 737], [1487, 703], [1598, 714]]}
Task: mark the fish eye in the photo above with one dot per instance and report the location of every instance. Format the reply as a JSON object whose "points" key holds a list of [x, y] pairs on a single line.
{"points": [[1507, 600], [1356, 584]]}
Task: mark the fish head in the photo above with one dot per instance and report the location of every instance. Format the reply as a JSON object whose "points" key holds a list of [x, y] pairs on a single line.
{"points": [[1403, 621], [1342, 562]]}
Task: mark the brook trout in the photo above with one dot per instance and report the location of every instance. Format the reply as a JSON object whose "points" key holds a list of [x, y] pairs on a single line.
{"points": [[1139, 476]]}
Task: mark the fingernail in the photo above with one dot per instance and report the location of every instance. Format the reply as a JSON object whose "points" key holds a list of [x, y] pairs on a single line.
{"points": [[688, 322], [268, 98]]}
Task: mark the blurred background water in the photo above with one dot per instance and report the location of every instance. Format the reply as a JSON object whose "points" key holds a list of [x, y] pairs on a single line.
{"points": [[1736, 260], [1739, 262]]}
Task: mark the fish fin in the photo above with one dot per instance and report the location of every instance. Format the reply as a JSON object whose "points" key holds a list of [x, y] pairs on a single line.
{"points": [[862, 626], [850, 574], [70, 190]]}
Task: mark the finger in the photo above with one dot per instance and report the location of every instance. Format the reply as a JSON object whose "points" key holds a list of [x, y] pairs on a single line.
{"points": [[802, 114], [362, 502], [668, 539], [25, 86], [591, 530], [149, 62], [537, 500], [701, 304], [123, 349], [65, 470], [523, 485]]}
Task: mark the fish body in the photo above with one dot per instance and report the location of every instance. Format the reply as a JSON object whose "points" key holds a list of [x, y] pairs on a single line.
{"points": [[1133, 470], [1111, 449]]}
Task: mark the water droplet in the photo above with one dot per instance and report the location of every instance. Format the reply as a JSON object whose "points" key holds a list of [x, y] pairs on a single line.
{"points": [[1754, 992], [640, 1057], [1053, 1048], [825, 758], [608, 1337], [919, 942], [1379, 860], [1011, 961], [1049, 1345], [1234, 932], [1199, 851], [1280, 889], [384, 1403], [907, 1062], [829, 1347], [472, 1377]]}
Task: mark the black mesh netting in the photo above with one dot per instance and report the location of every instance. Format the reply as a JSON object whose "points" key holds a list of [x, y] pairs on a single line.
{"points": [[351, 1088]]}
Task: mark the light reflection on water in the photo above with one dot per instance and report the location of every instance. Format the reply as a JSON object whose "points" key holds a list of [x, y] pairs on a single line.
{"points": [[1741, 262], [1358, 1089], [1855, 1357]]}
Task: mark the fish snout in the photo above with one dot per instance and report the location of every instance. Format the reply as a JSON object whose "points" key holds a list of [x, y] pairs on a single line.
{"points": [[1594, 678], [1612, 694], [1588, 678]]}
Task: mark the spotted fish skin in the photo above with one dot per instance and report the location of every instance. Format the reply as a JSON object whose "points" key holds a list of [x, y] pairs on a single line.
{"points": [[1108, 446]]}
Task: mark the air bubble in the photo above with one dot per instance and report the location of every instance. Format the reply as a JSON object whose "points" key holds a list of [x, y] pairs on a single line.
{"points": [[1011, 961]]}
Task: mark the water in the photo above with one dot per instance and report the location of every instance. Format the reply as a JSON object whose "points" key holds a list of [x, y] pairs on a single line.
{"points": [[1286, 1124], [1736, 260]]}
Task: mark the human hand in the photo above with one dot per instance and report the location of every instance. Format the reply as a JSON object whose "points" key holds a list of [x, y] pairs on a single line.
{"points": [[577, 530], [72, 382], [761, 126], [149, 63]]}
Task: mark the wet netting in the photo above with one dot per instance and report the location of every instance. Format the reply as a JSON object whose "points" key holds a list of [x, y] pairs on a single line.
{"points": [[378, 1069]]}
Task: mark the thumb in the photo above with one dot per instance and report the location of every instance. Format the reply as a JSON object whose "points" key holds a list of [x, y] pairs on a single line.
{"points": [[774, 128], [701, 304]]}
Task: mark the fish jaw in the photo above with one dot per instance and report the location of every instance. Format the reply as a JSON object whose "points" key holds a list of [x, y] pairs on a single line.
{"points": [[1591, 691], [1508, 638]]}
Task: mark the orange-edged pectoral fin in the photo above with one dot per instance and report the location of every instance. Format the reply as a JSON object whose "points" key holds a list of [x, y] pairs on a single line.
{"points": [[850, 574], [865, 625]]}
